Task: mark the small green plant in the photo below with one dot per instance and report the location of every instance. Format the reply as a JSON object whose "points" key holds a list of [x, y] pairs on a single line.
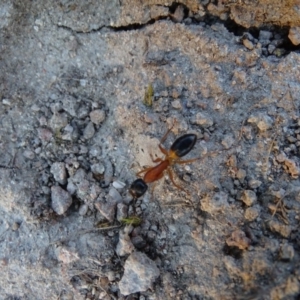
{"points": [[135, 221], [149, 95]]}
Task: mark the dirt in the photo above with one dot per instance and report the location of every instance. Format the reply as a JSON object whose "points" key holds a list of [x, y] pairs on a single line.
{"points": [[87, 92]]}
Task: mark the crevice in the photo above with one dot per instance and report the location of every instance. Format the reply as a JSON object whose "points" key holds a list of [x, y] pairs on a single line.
{"points": [[279, 44]]}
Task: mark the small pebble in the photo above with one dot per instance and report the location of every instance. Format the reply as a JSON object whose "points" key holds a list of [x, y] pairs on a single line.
{"points": [[15, 226], [202, 119], [115, 195], [107, 209], [70, 105], [228, 141], [45, 135], [294, 35], [271, 48], [58, 121], [254, 183], [138, 242], [118, 184], [83, 209], [97, 116], [248, 44], [178, 14], [122, 211], [59, 172], [287, 252], [277, 227], [89, 131], [71, 188], [249, 197], [176, 104], [251, 213], [35, 108], [98, 169], [124, 246], [6, 102], [139, 274], [265, 35], [238, 239], [240, 175], [61, 200]]}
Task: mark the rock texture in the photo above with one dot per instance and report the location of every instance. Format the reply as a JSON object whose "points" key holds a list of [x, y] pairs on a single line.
{"points": [[87, 91]]}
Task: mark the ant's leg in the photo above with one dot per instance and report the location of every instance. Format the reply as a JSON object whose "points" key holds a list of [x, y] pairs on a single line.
{"points": [[172, 179], [155, 159], [167, 133], [163, 150], [187, 161]]}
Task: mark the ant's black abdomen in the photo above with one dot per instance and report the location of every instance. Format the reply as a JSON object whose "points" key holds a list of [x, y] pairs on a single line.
{"points": [[138, 188], [184, 144]]}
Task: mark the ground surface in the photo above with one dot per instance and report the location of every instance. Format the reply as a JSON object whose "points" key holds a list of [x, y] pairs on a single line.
{"points": [[75, 126]]}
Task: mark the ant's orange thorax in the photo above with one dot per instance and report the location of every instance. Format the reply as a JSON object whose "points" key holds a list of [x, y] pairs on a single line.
{"points": [[156, 172]]}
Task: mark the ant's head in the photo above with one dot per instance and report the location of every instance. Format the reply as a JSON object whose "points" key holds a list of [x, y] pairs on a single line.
{"points": [[138, 188]]}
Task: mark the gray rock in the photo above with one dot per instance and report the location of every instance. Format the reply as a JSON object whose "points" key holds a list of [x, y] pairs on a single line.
{"points": [[107, 209], [115, 195], [97, 116], [249, 197], [122, 211], [71, 187], [271, 48], [70, 105], [124, 246], [97, 169], [83, 209], [89, 131], [83, 112], [45, 135], [139, 274], [61, 200], [58, 121], [109, 172], [265, 35], [59, 172]]}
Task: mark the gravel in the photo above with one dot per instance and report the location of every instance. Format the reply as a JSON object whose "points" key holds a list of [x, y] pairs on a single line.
{"points": [[75, 132], [139, 274]]}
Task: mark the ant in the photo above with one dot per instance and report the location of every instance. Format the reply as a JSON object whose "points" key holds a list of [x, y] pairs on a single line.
{"points": [[182, 146]]}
